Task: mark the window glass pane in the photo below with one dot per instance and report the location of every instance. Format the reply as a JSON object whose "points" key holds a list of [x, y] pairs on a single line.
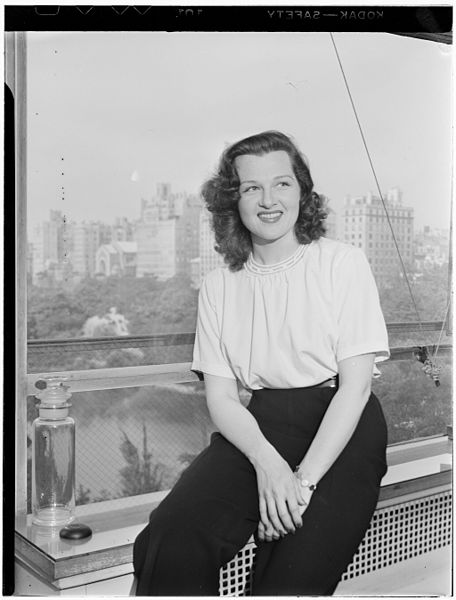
{"points": [[414, 406], [123, 128], [135, 440], [400, 337], [139, 440], [68, 355]]}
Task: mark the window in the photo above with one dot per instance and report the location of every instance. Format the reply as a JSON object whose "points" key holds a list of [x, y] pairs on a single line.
{"points": [[117, 236]]}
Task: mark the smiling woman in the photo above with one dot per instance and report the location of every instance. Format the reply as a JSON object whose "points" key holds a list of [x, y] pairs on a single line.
{"points": [[269, 200], [262, 192], [296, 319], [120, 111]]}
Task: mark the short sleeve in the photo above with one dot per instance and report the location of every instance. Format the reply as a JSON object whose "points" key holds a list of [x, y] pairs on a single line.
{"points": [[360, 321], [208, 355]]}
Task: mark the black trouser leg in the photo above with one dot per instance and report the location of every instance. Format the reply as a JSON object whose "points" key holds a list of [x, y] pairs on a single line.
{"points": [[213, 509], [312, 561], [208, 516]]}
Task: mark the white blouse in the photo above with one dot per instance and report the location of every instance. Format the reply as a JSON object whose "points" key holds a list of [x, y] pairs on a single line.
{"points": [[287, 325]]}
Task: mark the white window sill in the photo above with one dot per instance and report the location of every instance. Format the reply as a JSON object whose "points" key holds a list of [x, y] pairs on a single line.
{"points": [[416, 468]]}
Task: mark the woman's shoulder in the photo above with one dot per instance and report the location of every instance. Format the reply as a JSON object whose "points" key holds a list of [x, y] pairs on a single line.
{"points": [[343, 261], [334, 250], [219, 276]]}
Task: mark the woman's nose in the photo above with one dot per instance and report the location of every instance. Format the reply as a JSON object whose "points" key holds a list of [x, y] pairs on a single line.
{"points": [[267, 199]]}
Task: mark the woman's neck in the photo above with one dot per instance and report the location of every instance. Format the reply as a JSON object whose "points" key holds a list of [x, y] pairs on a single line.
{"points": [[269, 253]]}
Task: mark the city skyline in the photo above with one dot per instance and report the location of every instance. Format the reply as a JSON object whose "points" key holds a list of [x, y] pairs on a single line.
{"points": [[115, 218], [174, 237], [121, 111]]}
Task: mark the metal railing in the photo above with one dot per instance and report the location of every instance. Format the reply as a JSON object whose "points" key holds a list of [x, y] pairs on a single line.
{"points": [[177, 339], [164, 373]]}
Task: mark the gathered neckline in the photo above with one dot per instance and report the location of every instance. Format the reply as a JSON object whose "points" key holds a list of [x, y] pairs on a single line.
{"points": [[252, 266]]}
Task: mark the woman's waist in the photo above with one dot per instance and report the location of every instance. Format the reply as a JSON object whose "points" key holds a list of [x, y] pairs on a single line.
{"points": [[292, 376], [296, 391], [299, 411]]}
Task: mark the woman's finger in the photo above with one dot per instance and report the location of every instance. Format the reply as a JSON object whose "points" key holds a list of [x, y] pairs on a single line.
{"points": [[300, 498], [267, 533], [261, 532], [279, 516], [286, 516], [294, 510], [273, 517], [263, 509]]}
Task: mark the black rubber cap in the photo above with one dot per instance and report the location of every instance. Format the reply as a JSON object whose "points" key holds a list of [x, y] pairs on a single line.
{"points": [[75, 531]]}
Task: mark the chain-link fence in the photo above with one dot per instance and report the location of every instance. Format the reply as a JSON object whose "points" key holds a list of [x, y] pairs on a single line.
{"points": [[80, 354], [136, 440]]}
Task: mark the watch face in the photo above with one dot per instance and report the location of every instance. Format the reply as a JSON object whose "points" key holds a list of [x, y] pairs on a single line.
{"points": [[306, 483]]}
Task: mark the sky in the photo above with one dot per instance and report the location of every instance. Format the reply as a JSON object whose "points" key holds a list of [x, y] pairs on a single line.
{"points": [[111, 114]]}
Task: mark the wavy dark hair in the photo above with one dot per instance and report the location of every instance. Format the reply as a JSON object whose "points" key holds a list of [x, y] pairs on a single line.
{"points": [[221, 195]]}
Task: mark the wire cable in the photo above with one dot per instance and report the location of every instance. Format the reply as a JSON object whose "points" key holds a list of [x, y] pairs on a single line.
{"points": [[437, 346], [378, 186]]}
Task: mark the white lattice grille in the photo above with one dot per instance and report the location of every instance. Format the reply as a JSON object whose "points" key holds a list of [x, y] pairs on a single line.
{"points": [[235, 577], [396, 533], [403, 531]]}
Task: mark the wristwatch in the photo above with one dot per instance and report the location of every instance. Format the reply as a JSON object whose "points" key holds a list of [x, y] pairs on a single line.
{"points": [[305, 482]]}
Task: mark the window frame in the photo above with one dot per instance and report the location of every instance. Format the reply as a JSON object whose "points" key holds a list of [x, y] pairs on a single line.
{"points": [[87, 380], [16, 80]]}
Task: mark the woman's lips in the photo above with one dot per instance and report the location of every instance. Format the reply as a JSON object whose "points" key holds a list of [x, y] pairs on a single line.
{"points": [[271, 217]]}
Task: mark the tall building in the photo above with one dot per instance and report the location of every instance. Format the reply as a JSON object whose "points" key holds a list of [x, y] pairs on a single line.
{"points": [[331, 224], [122, 230], [47, 243], [156, 242], [167, 233], [37, 244], [187, 211], [85, 239], [209, 259], [432, 248], [365, 225], [64, 251]]}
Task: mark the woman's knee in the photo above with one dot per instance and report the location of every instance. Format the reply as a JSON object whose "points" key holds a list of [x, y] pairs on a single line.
{"points": [[140, 549], [167, 520]]}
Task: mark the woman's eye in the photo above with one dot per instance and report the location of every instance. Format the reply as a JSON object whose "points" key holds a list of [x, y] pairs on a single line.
{"points": [[251, 188], [283, 184]]}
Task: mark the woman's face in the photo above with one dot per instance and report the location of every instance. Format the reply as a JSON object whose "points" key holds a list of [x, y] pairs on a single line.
{"points": [[269, 196]]}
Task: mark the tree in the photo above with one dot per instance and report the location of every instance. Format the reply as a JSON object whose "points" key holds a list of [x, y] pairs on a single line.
{"points": [[413, 405], [140, 476], [83, 495], [429, 291], [54, 314], [148, 305]]}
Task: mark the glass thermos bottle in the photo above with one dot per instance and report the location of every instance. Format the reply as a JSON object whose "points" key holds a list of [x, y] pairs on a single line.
{"points": [[53, 457]]}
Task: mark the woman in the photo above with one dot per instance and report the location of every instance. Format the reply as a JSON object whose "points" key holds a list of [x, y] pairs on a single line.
{"points": [[295, 318]]}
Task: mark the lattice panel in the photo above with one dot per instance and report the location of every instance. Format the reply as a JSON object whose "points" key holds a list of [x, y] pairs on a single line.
{"points": [[235, 577], [403, 531], [396, 533]]}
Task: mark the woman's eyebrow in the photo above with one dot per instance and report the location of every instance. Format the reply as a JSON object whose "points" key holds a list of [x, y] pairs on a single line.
{"points": [[275, 177]]}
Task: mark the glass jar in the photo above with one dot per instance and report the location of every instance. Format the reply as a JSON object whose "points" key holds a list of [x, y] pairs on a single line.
{"points": [[53, 457]]}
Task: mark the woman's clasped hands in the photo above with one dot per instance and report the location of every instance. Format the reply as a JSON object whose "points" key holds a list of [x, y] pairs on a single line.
{"points": [[282, 498]]}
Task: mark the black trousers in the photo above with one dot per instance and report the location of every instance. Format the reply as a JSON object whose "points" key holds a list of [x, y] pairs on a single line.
{"points": [[212, 511]]}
